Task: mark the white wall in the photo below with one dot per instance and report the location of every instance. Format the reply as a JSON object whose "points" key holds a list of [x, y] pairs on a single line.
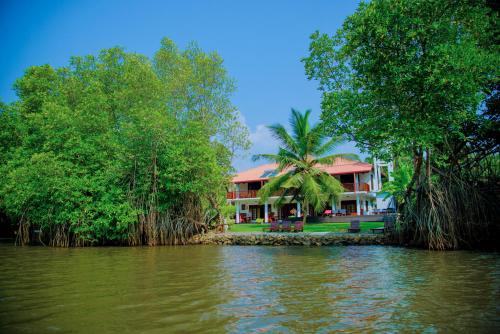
{"points": [[246, 208], [384, 203]]}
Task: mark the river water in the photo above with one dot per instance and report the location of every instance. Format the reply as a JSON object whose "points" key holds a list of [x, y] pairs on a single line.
{"points": [[231, 289]]}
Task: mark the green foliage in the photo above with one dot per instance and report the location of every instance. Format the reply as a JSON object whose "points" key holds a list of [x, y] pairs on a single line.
{"points": [[401, 74], [228, 210], [299, 155], [402, 177], [118, 148], [418, 80]]}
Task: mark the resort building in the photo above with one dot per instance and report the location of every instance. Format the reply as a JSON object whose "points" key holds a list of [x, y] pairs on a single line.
{"points": [[362, 196]]}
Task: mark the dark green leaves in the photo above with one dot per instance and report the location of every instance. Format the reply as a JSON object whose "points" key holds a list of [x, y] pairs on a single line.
{"points": [[402, 74]]}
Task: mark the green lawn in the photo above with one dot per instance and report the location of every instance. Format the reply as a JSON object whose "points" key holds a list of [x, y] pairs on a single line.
{"points": [[318, 227]]}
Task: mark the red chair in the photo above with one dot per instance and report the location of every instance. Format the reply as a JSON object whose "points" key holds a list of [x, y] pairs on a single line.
{"points": [[298, 226], [274, 227], [286, 226]]}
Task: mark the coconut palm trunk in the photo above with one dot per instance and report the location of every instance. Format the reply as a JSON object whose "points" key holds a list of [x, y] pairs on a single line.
{"points": [[306, 211]]}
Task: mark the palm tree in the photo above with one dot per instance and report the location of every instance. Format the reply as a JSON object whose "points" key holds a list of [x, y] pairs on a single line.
{"points": [[299, 155]]}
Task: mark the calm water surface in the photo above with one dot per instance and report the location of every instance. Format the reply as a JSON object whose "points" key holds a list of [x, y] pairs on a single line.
{"points": [[217, 289]]}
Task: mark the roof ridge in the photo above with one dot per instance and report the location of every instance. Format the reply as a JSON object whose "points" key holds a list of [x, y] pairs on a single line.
{"points": [[342, 166]]}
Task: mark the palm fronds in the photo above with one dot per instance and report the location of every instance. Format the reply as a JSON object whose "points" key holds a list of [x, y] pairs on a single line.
{"points": [[299, 154]]}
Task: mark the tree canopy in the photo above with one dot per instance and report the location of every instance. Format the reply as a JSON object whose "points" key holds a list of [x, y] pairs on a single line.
{"points": [[119, 148], [403, 75], [418, 81]]}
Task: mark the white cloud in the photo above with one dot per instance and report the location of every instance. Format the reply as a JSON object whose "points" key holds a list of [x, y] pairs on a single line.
{"points": [[262, 142]]}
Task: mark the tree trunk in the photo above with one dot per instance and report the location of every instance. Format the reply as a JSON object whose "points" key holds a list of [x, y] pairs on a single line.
{"points": [[428, 166], [305, 211], [219, 218]]}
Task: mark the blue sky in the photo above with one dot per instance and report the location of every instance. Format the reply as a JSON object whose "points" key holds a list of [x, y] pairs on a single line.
{"points": [[261, 43]]}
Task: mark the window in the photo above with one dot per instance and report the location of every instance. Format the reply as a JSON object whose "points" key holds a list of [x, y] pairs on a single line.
{"points": [[243, 207]]}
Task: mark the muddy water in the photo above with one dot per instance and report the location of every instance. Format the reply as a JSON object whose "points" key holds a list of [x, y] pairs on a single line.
{"points": [[217, 289]]}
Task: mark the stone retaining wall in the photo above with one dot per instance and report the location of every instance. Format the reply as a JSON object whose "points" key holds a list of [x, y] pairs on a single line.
{"points": [[291, 239]]}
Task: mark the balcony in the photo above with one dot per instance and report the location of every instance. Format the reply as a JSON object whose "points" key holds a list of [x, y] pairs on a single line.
{"points": [[349, 187], [242, 194]]}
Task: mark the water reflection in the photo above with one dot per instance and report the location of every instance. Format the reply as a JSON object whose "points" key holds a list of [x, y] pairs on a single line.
{"points": [[210, 289]]}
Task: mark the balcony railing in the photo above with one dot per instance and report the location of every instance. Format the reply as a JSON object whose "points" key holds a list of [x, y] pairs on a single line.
{"points": [[242, 194], [349, 187]]}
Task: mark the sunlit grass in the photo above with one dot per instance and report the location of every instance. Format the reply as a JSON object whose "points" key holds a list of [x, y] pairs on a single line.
{"points": [[319, 227]]}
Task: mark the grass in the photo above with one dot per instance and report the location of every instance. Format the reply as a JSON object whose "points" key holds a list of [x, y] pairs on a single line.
{"points": [[318, 227]]}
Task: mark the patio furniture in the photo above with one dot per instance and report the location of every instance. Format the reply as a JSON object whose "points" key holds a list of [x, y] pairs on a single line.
{"points": [[355, 227], [298, 226], [343, 212], [274, 227], [327, 213], [286, 226], [388, 225]]}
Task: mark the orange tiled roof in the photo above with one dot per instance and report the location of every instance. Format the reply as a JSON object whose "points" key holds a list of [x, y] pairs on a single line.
{"points": [[340, 166]]}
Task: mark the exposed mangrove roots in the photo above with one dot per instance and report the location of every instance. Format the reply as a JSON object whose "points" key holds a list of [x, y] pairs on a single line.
{"points": [[457, 210]]}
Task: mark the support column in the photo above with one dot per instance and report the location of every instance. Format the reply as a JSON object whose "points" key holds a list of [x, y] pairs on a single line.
{"points": [[358, 206], [334, 207], [237, 212], [390, 170], [266, 213], [379, 177], [298, 209]]}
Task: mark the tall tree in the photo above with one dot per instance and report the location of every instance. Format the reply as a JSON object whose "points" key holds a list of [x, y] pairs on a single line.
{"points": [[400, 75], [117, 148], [299, 157], [407, 78]]}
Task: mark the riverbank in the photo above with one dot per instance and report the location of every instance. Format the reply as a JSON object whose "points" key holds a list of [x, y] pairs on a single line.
{"points": [[291, 239]]}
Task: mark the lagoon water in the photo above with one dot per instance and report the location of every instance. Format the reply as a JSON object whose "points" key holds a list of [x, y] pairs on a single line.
{"points": [[231, 289]]}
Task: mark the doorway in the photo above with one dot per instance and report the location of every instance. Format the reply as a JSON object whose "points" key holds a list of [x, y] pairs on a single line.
{"points": [[257, 211], [350, 206]]}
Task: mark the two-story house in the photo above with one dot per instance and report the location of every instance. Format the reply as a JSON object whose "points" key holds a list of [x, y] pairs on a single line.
{"points": [[362, 196]]}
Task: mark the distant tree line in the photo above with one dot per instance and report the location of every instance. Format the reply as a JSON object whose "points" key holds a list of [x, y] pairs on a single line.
{"points": [[118, 148]]}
